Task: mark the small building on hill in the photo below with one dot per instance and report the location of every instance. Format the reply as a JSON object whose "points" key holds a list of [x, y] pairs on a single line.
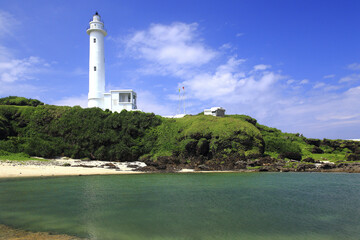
{"points": [[215, 111]]}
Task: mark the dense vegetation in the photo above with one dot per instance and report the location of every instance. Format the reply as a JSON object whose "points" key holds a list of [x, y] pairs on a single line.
{"points": [[49, 131], [20, 101], [33, 129]]}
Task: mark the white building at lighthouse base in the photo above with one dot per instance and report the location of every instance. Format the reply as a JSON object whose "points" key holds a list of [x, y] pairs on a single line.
{"points": [[118, 100]]}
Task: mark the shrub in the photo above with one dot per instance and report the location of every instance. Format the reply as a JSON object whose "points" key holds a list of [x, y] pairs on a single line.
{"points": [[4, 153], [282, 146], [20, 101]]}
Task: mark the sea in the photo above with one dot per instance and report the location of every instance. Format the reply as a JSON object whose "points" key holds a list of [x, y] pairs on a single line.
{"points": [[248, 206]]}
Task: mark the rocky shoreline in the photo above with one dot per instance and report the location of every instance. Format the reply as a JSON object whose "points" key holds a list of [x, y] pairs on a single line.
{"points": [[262, 164], [173, 165]]}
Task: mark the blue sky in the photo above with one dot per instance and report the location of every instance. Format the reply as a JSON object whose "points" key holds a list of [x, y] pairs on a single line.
{"points": [[293, 65]]}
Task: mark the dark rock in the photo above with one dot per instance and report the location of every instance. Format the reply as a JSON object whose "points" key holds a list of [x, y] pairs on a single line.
{"points": [[304, 167], [240, 165], [327, 166], [309, 160], [132, 166], [352, 157], [342, 165], [263, 161], [190, 147], [196, 136], [317, 150], [291, 155], [147, 169], [267, 160], [161, 167], [82, 165], [331, 143], [284, 170], [348, 167], [254, 155], [311, 141], [202, 147], [151, 163], [355, 168], [110, 165]]}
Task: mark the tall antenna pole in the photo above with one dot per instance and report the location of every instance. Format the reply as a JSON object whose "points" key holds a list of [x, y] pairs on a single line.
{"points": [[184, 99], [179, 105]]}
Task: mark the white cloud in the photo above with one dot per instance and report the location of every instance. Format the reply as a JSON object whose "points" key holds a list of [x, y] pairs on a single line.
{"points": [[226, 46], [354, 66], [304, 81], [290, 81], [326, 87], [329, 76], [350, 78], [261, 67], [228, 85], [19, 89], [8, 23], [222, 82], [322, 115], [170, 48], [148, 102], [240, 34], [319, 85], [81, 101], [14, 71], [20, 69]]}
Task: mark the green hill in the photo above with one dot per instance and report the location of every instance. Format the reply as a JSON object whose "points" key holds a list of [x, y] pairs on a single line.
{"points": [[50, 131]]}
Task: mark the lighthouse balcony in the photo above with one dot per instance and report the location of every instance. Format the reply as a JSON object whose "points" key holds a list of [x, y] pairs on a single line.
{"points": [[96, 27]]}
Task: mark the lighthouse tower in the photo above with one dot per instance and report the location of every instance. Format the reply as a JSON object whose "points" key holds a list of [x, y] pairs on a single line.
{"points": [[97, 33]]}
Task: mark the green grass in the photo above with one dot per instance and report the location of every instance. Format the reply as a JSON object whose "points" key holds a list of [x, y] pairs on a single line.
{"points": [[331, 157], [173, 134], [17, 157], [329, 153], [253, 168]]}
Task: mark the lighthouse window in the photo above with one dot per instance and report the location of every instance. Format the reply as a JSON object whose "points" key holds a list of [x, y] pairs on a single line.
{"points": [[94, 68], [94, 40]]}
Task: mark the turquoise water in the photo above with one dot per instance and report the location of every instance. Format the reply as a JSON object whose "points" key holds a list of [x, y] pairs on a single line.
{"points": [[187, 206]]}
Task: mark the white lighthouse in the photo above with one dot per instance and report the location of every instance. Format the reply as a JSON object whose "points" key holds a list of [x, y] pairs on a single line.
{"points": [[97, 33], [116, 100]]}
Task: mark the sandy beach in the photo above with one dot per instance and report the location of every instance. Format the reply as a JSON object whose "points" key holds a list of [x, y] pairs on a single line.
{"points": [[61, 167], [9, 233]]}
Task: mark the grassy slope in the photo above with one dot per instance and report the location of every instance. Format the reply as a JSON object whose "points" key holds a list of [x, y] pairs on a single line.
{"points": [[330, 154], [174, 134]]}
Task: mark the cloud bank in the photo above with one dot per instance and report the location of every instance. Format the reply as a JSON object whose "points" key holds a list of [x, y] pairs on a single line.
{"points": [[212, 78]]}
